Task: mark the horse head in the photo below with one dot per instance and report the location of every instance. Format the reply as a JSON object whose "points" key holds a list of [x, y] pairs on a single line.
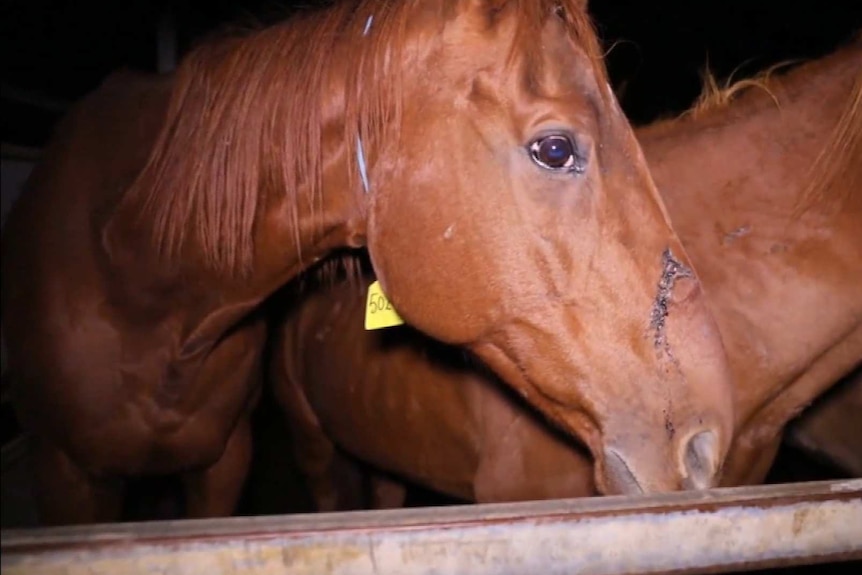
{"points": [[513, 213]]}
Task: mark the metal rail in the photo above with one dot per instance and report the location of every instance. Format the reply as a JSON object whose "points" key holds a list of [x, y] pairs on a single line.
{"points": [[719, 530]]}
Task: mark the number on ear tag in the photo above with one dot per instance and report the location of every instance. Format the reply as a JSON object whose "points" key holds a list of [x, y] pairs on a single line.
{"points": [[379, 312]]}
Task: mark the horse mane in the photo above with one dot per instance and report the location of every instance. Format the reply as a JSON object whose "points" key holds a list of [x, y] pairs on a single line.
{"points": [[349, 266], [838, 161], [244, 123], [715, 96]]}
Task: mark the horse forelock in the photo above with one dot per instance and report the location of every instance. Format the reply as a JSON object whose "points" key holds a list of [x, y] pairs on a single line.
{"points": [[531, 17], [246, 117]]}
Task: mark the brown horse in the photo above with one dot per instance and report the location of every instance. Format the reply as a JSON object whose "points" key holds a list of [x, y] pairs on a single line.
{"points": [[462, 141], [766, 193]]}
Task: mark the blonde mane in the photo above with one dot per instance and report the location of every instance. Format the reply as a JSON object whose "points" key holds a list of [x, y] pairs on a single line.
{"points": [[715, 96], [835, 173], [245, 118]]}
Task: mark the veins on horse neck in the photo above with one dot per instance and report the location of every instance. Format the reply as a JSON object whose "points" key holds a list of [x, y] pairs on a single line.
{"points": [[672, 269]]}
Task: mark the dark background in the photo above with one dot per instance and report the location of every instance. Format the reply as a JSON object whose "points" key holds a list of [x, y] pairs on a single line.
{"points": [[55, 51]]}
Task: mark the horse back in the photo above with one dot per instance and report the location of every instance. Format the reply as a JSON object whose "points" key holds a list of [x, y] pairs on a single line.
{"points": [[95, 152]]}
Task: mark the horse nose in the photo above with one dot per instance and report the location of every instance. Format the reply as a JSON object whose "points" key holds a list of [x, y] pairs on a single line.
{"points": [[619, 477], [694, 464]]}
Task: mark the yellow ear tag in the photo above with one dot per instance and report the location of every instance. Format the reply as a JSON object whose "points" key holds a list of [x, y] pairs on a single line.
{"points": [[379, 312]]}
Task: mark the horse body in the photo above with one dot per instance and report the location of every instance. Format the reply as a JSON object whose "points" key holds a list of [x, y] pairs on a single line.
{"points": [[136, 262], [411, 407], [781, 253], [774, 230], [92, 369]]}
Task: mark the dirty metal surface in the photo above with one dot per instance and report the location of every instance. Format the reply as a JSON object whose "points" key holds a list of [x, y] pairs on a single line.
{"points": [[694, 532]]}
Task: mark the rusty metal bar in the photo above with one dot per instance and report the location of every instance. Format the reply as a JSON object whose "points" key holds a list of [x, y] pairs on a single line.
{"points": [[720, 530]]}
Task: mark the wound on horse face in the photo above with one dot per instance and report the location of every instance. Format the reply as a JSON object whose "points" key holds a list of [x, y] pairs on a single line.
{"points": [[672, 269]]}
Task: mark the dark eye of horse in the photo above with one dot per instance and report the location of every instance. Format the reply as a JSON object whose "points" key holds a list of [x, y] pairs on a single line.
{"points": [[557, 153]]}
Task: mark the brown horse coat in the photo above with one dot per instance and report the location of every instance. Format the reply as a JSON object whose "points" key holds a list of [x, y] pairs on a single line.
{"points": [[766, 193], [459, 140]]}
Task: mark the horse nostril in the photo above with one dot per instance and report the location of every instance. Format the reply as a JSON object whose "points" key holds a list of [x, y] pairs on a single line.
{"points": [[700, 460], [619, 475]]}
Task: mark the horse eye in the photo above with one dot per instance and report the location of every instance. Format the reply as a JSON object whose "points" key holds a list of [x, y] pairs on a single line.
{"points": [[556, 152]]}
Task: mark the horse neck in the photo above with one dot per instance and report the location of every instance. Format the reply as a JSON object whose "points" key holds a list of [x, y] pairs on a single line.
{"points": [[207, 303], [735, 181], [282, 180]]}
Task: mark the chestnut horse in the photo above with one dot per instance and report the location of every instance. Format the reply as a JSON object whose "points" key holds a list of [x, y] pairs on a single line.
{"points": [[461, 141], [766, 193]]}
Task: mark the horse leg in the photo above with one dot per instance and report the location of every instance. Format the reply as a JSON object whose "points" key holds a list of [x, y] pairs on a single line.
{"points": [[334, 482], [216, 490], [387, 492], [67, 494]]}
